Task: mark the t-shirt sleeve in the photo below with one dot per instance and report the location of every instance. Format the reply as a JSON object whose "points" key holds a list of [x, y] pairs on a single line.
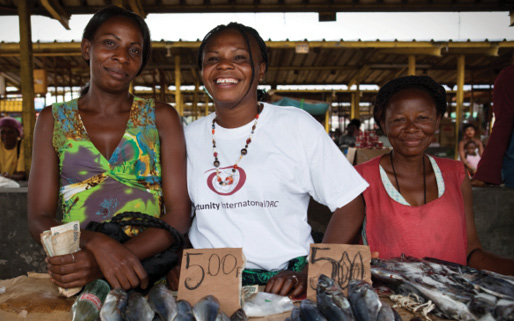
{"points": [[334, 181]]}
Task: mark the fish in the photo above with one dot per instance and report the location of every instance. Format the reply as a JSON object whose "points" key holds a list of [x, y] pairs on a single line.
{"points": [[295, 314], [310, 312], [239, 315], [504, 310], [387, 313], [222, 316], [364, 300], [114, 305], [331, 300], [138, 308], [206, 309], [184, 311], [163, 302]]}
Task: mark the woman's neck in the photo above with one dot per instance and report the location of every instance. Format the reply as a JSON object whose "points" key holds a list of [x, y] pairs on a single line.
{"points": [[236, 116], [105, 103]]}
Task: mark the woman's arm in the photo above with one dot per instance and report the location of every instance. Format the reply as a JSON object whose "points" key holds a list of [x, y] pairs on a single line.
{"points": [[174, 186], [480, 147], [476, 256], [343, 228], [67, 270], [176, 201], [346, 223], [462, 153], [44, 178]]}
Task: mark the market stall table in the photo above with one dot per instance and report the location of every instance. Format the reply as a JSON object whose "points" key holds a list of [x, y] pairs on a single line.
{"points": [[33, 297]]}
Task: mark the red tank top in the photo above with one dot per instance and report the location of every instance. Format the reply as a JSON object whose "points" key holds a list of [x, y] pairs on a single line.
{"points": [[436, 229]]}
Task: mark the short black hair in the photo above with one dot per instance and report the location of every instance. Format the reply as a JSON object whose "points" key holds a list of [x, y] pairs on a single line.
{"points": [[106, 13], [466, 126], [425, 83], [356, 122], [470, 142]]}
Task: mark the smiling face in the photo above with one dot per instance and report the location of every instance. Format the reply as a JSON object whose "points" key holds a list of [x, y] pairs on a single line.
{"points": [[410, 121], [471, 149], [114, 54], [227, 70]]}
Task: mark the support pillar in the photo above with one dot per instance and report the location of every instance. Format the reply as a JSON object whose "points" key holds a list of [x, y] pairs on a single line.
{"points": [[178, 98], [412, 66], [27, 80], [459, 100]]}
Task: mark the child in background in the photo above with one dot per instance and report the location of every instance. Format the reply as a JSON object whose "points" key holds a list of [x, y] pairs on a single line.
{"points": [[472, 158]]}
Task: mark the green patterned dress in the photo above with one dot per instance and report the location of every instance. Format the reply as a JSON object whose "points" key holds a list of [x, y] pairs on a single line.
{"points": [[93, 188]]}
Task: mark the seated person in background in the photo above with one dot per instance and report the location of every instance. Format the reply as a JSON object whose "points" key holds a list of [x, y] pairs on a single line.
{"points": [[253, 166], [106, 153], [348, 140], [12, 155], [472, 157], [417, 204], [469, 131]]}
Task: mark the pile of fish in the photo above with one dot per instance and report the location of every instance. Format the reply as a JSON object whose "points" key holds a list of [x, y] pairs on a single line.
{"points": [[362, 304], [160, 305], [457, 292]]}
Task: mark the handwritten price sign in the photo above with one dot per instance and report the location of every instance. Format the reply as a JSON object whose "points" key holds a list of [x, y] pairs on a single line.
{"points": [[214, 272], [340, 262]]}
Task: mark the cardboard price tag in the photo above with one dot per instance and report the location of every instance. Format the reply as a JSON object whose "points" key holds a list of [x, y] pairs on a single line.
{"points": [[341, 262], [216, 272]]}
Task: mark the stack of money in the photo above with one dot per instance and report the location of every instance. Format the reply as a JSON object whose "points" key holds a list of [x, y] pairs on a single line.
{"points": [[61, 240]]}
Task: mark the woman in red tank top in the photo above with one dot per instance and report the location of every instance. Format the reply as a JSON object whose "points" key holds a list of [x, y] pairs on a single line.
{"points": [[417, 204]]}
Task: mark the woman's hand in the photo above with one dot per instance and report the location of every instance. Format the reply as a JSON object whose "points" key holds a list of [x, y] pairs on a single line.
{"points": [[292, 284], [73, 270], [119, 266]]}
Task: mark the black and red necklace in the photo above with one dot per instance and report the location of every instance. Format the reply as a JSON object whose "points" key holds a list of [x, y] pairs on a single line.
{"points": [[229, 180]]}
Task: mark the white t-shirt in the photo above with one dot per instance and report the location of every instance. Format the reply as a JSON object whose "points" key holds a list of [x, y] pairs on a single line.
{"points": [[264, 211]]}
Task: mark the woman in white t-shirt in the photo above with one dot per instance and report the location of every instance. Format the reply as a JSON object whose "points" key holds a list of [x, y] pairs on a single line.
{"points": [[253, 166]]}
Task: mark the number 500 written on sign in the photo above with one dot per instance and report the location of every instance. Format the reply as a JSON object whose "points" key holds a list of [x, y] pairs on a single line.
{"points": [[213, 266]]}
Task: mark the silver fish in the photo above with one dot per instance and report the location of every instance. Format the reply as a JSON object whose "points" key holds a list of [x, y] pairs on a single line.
{"points": [[114, 305], [364, 300], [162, 302], [222, 316], [331, 300], [504, 310], [295, 314], [184, 311], [138, 308], [310, 312], [239, 315], [206, 309]]}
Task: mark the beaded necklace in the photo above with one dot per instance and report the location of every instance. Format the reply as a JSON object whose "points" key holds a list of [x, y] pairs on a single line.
{"points": [[424, 177], [229, 180]]}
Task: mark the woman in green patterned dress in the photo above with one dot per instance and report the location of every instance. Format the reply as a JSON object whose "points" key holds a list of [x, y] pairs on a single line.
{"points": [[106, 153]]}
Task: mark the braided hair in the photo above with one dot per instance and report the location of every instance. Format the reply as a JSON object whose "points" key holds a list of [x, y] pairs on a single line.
{"points": [[425, 83], [245, 31]]}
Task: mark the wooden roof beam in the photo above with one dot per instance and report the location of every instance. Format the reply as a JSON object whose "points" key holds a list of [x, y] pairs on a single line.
{"points": [[359, 76], [433, 51], [137, 7], [57, 12]]}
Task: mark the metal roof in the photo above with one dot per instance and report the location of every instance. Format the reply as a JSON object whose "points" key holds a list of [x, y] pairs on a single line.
{"points": [[63, 9], [326, 63]]}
